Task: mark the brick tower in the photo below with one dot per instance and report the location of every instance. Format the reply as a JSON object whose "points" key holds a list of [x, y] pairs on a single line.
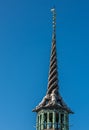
{"points": [[52, 112]]}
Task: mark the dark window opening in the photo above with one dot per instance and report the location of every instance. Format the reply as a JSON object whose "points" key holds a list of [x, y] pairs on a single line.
{"points": [[46, 102], [62, 118], [57, 121], [66, 117], [38, 119], [45, 120], [62, 121], [50, 120]]}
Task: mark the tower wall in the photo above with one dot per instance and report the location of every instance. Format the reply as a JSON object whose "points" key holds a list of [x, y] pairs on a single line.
{"points": [[52, 120]]}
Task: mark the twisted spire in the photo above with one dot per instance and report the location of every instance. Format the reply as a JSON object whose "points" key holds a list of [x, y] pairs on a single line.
{"points": [[53, 74], [53, 99]]}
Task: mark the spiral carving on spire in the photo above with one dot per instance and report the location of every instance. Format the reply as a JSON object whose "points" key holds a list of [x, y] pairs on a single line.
{"points": [[53, 98], [53, 74]]}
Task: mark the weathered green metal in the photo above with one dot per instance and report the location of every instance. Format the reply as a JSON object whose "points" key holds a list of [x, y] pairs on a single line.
{"points": [[42, 123], [48, 120], [62, 124], [54, 119]]}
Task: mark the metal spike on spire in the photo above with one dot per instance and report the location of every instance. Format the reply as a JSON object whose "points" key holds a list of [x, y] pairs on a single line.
{"points": [[53, 10]]}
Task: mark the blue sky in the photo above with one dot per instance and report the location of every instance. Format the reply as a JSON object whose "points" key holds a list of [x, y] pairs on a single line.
{"points": [[25, 43]]}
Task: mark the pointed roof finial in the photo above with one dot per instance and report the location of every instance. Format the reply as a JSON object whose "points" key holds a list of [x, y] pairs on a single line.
{"points": [[53, 10]]}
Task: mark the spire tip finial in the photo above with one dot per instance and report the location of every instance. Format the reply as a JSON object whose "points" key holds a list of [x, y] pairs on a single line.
{"points": [[53, 10]]}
